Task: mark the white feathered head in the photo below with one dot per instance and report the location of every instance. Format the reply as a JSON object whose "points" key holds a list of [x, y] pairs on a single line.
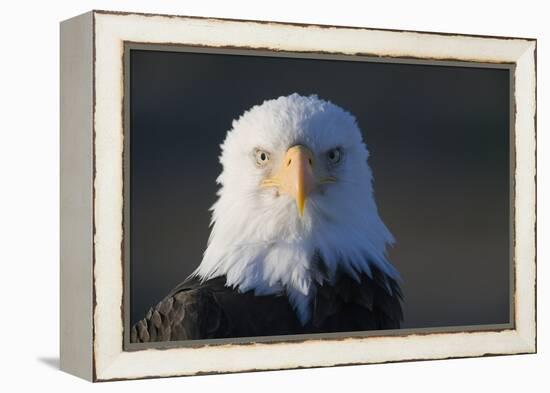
{"points": [[295, 186]]}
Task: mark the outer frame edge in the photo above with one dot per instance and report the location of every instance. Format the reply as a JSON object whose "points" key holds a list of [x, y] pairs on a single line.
{"points": [[526, 347], [76, 245]]}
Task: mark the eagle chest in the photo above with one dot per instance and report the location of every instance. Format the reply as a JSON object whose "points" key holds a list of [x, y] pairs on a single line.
{"points": [[212, 310]]}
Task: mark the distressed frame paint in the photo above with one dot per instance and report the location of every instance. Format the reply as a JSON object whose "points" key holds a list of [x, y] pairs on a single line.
{"points": [[110, 32]]}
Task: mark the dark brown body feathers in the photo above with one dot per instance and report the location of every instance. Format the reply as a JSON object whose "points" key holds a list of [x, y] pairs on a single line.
{"points": [[211, 310]]}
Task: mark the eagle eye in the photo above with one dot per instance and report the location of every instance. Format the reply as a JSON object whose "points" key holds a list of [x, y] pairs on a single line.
{"points": [[262, 157], [334, 156]]}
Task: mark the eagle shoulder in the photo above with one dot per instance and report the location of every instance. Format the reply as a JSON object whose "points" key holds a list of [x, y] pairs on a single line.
{"points": [[189, 312]]}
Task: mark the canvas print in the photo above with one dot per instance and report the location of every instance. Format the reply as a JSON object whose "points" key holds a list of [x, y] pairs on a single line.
{"points": [[288, 196]]}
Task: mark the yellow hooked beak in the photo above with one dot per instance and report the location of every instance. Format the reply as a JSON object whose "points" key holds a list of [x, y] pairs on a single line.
{"points": [[295, 177]]}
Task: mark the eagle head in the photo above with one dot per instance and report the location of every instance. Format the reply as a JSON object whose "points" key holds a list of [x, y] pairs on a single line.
{"points": [[295, 203]]}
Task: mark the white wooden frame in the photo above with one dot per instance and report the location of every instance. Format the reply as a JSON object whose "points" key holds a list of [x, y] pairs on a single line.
{"points": [[92, 141]]}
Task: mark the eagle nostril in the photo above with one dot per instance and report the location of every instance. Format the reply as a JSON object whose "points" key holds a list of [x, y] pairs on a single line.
{"points": [[289, 162]]}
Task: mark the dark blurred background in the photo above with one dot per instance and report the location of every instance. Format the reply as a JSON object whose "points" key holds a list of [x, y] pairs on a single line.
{"points": [[439, 143]]}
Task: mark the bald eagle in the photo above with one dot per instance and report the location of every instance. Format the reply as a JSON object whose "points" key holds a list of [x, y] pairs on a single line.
{"points": [[296, 245]]}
